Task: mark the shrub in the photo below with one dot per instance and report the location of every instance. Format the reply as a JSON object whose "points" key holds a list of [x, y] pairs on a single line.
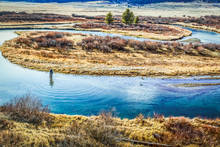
{"points": [[185, 132], [106, 135], [104, 44], [52, 39], [27, 109]]}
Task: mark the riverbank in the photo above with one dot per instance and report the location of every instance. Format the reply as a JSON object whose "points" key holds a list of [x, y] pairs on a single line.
{"points": [[65, 25], [152, 31], [105, 130], [168, 33], [196, 26], [124, 58]]}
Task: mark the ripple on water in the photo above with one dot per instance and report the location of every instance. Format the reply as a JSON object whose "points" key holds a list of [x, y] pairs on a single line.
{"points": [[87, 95]]}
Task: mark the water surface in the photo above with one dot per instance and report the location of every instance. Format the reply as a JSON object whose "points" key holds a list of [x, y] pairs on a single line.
{"points": [[88, 95]]}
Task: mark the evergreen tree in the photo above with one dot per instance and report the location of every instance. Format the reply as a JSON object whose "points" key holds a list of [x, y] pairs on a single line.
{"points": [[136, 20], [128, 17], [109, 18]]}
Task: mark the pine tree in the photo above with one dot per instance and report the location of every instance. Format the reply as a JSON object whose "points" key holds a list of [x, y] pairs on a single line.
{"points": [[109, 18], [136, 20], [128, 17]]}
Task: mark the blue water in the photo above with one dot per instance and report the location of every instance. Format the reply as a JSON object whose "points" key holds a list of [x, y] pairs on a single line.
{"points": [[203, 35], [88, 95]]}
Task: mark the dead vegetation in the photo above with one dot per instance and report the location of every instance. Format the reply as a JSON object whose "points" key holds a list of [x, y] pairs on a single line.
{"points": [[94, 55], [6, 16], [144, 30], [104, 130], [207, 22], [110, 44], [27, 109], [50, 39], [152, 28]]}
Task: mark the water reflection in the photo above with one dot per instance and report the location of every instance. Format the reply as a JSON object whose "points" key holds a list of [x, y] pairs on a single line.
{"points": [[51, 78], [130, 96]]}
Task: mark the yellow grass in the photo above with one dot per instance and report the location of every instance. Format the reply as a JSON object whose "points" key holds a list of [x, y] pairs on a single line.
{"points": [[131, 63], [69, 129], [167, 37]]}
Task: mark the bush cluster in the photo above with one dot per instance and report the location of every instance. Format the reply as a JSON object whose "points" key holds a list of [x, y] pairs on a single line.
{"points": [[109, 44], [50, 39], [104, 44], [184, 132], [209, 20], [27, 109]]}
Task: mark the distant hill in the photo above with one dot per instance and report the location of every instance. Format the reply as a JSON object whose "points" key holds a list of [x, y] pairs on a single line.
{"points": [[159, 1], [48, 1], [121, 1]]}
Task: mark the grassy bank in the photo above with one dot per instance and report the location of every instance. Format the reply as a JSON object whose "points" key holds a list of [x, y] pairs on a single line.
{"points": [[26, 122], [202, 27]]}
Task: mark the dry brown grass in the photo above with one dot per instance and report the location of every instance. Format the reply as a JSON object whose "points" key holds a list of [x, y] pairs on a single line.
{"points": [[185, 132], [144, 30], [129, 62], [107, 131]]}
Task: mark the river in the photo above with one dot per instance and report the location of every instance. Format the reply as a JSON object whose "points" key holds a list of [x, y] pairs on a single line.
{"points": [[129, 96]]}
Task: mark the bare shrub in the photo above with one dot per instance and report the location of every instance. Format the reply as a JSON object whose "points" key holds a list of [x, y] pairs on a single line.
{"points": [[184, 132], [140, 119], [107, 116], [46, 40], [27, 109], [106, 135], [105, 44], [159, 117]]}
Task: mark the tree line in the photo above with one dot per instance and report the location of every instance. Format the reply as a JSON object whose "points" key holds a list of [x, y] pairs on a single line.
{"points": [[128, 18]]}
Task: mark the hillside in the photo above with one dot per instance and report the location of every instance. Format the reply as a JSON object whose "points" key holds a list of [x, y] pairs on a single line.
{"points": [[135, 2]]}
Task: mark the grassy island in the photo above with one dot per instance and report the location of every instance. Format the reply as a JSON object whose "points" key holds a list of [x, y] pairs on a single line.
{"points": [[95, 55]]}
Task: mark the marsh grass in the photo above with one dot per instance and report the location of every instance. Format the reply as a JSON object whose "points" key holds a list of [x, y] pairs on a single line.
{"points": [[27, 109]]}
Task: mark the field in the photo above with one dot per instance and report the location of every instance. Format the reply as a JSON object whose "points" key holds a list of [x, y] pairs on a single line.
{"points": [[101, 8]]}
